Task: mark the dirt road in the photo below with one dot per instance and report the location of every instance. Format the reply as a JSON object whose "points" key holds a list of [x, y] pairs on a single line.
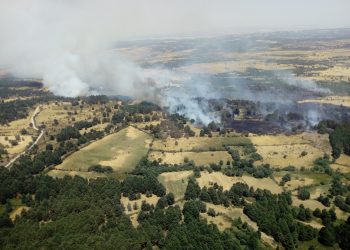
{"points": [[32, 120]]}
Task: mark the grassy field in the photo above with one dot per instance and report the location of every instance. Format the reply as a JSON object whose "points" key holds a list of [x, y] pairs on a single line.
{"points": [[17, 208], [334, 100], [312, 204], [230, 213], [301, 179], [264, 183], [304, 245], [199, 158], [15, 127], [198, 143], [281, 150], [175, 182], [342, 164], [59, 111], [60, 173], [208, 179], [22, 144], [121, 151], [220, 220], [133, 213]]}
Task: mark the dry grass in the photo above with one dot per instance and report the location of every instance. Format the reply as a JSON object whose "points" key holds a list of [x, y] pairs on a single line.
{"points": [[51, 111], [264, 183], [134, 212], [312, 204], [15, 127], [283, 150], [208, 179], [301, 179], [342, 164], [313, 223], [316, 191], [341, 214], [197, 143], [142, 125], [98, 127], [121, 151], [334, 100], [22, 144], [59, 173], [18, 211], [221, 221], [199, 158], [232, 213], [175, 182]]}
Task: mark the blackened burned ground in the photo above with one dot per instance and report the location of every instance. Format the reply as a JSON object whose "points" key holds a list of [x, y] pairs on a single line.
{"points": [[255, 126], [272, 118]]}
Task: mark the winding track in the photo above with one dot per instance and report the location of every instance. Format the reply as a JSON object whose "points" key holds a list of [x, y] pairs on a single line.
{"points": [[32, 120]]}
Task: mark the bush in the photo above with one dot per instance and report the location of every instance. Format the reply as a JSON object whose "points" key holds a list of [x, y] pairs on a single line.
{"points": [[211, 212], [304, 153], [100, 169], [303, 194]]}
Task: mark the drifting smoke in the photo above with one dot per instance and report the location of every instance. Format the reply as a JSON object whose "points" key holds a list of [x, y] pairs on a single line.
{"points": [[184, 99], [69, 44], [290, 79]]}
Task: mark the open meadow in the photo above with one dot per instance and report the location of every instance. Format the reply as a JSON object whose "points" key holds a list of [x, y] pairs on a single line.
{"points": [[121, 151], [199, 158], [299, 150], [198, 143], [175, 182]]}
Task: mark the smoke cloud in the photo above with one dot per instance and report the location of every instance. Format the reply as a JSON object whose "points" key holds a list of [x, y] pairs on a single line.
{"points": [[69, 43]]}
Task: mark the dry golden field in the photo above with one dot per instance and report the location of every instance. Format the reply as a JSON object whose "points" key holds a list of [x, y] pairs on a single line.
{"points": [[59, 111], [14, 127], [60, 173], [208, 179], [175, 182], [342, 164], [121, 151], [134, 212], [264, 183], [198, 143], [281, 150], [312, 204], [18, 211], [22, 143], [221, 221], [231, 213], [334, 100], [199, 158], [301, 179]]}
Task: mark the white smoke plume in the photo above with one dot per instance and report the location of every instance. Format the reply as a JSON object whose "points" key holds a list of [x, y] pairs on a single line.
{"points": [[289, 78], [69, 43]]}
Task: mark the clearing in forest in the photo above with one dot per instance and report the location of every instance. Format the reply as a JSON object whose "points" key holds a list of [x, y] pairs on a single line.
{"points": [[301, 179], [297, 150], [198, 143], [208, 179], [175, 182], [262, 183], [121, 151], [199, 158]]}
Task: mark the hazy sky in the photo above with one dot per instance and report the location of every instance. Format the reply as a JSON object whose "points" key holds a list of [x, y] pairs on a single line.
{"points": [[137, 18], [64, 41]]}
